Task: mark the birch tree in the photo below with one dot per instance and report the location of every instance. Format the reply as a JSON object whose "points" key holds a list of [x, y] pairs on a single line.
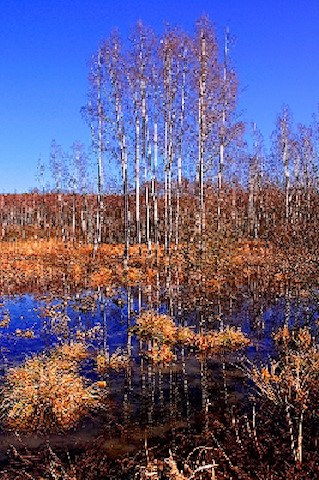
{"points": [[255, 186], [140, 78], [174, 50], [97, 123], [282, 144], [306, 170]]}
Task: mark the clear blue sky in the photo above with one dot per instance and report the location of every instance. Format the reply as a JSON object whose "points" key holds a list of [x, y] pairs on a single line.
{"points": [[45, 46]]}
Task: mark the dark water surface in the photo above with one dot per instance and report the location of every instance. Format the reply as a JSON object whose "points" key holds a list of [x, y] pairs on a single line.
{"points": [[145, 397]]}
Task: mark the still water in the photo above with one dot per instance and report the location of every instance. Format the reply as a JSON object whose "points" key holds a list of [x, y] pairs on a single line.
{"points": [[144, 399]]}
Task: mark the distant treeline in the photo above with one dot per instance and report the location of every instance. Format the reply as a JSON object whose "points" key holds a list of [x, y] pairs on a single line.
{"points": [[245, 213]]}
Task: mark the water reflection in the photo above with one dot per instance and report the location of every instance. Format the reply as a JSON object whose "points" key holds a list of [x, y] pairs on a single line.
{"points": [[153, 397]]}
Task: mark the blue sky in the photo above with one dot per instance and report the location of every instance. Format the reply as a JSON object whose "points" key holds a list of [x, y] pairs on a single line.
{"points": [[45, 46]]}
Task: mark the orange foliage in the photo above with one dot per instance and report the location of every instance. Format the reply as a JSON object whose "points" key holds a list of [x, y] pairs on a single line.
{"points": [[101, 277], [46, 393], [119, 360], [157, 327], [161, 354], [230, 338]]}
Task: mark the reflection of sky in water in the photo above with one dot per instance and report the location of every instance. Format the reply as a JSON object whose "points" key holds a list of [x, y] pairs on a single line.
{"points": [[25, 313], [257, 321], [148, 396]]}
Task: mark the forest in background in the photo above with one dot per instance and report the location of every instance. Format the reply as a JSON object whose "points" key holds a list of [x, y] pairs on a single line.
{"points": [[166, 132]]}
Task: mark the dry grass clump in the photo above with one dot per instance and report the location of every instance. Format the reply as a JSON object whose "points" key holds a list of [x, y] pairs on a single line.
{"points": [[230, 338], [45, 393], [296, 373], [292, 382], [4, 322], [119, 360], [161, 354], [75, 352], [300, 340], [172, 472], [28, 333], [92, 334], [267, 381], [185, 336], [157, 327], [164, 334]]}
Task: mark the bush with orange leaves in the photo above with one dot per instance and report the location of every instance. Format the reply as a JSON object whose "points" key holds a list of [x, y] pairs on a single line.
{"points": [[46, 393]]}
